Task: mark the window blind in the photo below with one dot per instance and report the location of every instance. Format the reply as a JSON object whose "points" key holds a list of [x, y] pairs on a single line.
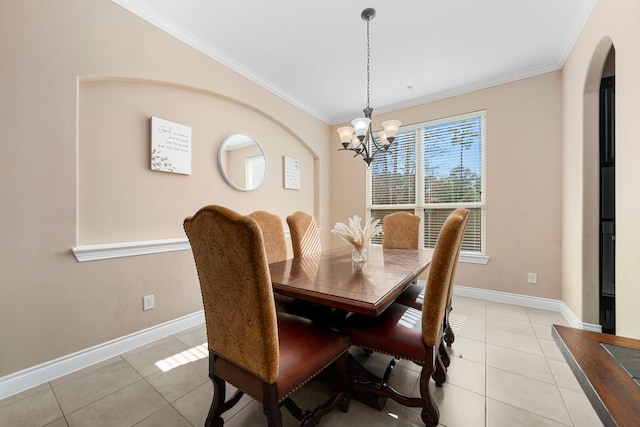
{"points": [[431, 169], [394, 172]]}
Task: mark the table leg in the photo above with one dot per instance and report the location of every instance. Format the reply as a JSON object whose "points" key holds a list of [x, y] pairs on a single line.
{"points": [[360, 374]]}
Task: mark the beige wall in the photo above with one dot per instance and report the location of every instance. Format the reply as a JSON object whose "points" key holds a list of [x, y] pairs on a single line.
{"points": [[523, 195], [121, 199], [79, 81], [612, 22]]}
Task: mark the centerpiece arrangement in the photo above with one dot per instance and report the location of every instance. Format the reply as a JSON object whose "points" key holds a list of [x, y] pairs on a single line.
{"points": [[357, 235]]}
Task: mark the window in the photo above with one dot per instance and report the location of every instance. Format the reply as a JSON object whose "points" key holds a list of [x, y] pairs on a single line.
{"points": [[431, 169]]}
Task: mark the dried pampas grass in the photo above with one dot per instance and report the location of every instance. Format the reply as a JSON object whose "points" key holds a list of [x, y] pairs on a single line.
{"points": [[355, 234]]}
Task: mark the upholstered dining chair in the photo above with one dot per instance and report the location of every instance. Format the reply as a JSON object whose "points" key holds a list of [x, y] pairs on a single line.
{"points": [[275, 245], [413, 296], [305, 239], [401, 231], [404, 332], [264, 354]]}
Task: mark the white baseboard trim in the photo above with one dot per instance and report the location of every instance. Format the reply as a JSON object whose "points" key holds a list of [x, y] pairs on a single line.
{"points": [[575, 322], [527, 301], [31, 377]]}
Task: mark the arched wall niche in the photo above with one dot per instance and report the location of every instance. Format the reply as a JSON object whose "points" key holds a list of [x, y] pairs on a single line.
{"points": [[120, 199], [602, 62]]}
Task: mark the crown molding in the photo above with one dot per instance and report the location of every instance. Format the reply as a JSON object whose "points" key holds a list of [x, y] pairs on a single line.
{"points": [[201, 46], [464, 89], [166, 25]]}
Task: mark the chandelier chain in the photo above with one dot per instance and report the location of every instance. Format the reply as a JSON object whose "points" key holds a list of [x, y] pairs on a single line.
{"points": [[368, 60]]}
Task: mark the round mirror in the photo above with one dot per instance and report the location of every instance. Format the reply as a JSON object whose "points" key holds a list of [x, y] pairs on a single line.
{"points": [[242, 162]]}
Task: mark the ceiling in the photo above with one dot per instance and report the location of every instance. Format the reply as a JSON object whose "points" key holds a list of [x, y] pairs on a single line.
{"points": [[313, 54]]}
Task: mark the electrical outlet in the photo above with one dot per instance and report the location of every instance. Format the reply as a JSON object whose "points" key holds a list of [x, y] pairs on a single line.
{"points": [[148, 302], [532, 277]]}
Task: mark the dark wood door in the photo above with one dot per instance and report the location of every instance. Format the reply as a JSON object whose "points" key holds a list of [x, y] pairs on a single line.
{"points": [[607, 206]]}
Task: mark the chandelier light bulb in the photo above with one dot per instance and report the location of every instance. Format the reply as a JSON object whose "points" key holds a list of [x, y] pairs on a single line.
{"points": [[361, 126], [391, 128], [356, 144], [382, 136], [345, 133]]}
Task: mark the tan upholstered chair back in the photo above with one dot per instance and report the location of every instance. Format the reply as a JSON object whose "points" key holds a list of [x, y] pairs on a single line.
{"points": [[439, 279], [236, 289], [467, 215], [401, 231], [273, 233], [305, 239]]}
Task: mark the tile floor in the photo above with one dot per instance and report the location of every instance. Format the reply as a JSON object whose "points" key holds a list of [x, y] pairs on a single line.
{"points": [[505, 371]]}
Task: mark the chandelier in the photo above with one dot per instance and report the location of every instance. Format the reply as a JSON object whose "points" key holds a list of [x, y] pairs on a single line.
{"points": [[360, 138]]}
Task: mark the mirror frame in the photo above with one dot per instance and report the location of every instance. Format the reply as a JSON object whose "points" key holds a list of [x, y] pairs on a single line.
{"points": [[224, 172]]}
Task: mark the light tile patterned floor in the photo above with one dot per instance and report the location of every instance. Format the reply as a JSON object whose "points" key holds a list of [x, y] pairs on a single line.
{"points": [[505, 371]]}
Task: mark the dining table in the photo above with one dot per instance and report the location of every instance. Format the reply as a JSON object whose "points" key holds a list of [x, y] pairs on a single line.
{"points": [[330, 286], [333, 280]]}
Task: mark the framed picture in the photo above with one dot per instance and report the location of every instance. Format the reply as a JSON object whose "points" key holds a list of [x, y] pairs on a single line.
{"points": [[291, 173], [170, 147]]}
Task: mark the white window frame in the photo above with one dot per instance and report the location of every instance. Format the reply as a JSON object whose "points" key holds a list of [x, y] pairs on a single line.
{"points": [[420, 205]]}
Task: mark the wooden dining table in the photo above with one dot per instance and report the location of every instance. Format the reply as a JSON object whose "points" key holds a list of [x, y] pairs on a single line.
{"points": [[333, 280], [336, 285]]}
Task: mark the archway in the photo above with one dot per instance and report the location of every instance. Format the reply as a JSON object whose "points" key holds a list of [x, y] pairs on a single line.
{"points": [[602, 64]]}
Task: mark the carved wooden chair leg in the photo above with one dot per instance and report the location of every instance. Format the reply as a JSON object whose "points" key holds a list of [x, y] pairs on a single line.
{"points": [[214, 418], [387, 372], [294, 409], [444, 354], [270, 405], [440, 374], [430, 413], [342, 367], [449, 335]]}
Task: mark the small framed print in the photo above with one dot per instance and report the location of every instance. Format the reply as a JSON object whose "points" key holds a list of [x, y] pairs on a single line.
{"points": [[170, 147], [291, 173]]}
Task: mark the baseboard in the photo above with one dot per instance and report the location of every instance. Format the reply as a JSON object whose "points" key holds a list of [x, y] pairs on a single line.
{"points": [[527, 301], [31, 377], [576, 323]]}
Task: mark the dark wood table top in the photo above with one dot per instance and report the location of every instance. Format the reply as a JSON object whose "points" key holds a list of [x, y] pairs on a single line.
{"points": [[612, 391], [332, 279]]}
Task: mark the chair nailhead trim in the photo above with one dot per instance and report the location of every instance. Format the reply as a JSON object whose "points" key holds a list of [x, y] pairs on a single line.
{"points": [[292, 391]]}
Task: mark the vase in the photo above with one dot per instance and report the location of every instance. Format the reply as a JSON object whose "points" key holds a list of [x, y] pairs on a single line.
{"points": [[359, 254]]}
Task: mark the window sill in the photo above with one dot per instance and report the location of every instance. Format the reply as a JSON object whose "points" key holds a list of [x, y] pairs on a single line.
{"points": [[474, 258]]}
